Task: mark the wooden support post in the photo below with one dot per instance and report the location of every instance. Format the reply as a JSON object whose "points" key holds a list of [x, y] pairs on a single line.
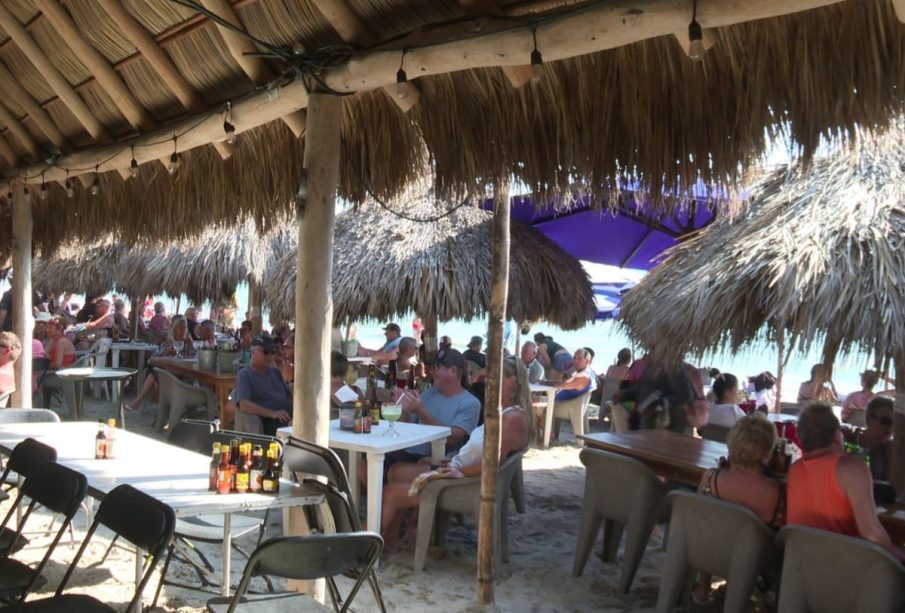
{"points": [[313, 288], [780, 364], [134, 316], [491, 461], [23, 318], [255, 305], [429, 335], [897, 478]]}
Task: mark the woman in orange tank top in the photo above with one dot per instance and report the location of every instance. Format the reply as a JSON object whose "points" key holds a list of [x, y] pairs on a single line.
{"points": [[829, 490]]}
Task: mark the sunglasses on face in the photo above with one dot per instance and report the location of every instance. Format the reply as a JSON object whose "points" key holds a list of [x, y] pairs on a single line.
{"points": [[265, 351], [884, 421]]}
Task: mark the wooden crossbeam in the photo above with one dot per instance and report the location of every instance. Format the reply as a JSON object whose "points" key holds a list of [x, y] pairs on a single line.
{"points": [[57, 82], [7, 153], [354, 31], [97, 64], [42, 120], [518, 76], [19, 131], [611, 25], [240, 47], [157, 58]]}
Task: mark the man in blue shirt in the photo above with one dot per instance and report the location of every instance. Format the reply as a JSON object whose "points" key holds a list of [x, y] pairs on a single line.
{"points": [[260, 389], [389, 350]]}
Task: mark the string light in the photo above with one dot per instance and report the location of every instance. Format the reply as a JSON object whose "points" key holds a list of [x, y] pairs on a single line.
{"points": [[70, 190], [228, 127], [43, 193], [402, 90], [175, 160], [696, 48], [96, 184], [26, 194], [537, 60], [133, 165]]}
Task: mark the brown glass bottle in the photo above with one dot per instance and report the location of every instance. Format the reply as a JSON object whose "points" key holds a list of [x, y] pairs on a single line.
{"points": [[242, 470], [214, 468]]}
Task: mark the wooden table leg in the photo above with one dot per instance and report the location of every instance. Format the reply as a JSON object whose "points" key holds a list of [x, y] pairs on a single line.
{"points": [[223, 402]]}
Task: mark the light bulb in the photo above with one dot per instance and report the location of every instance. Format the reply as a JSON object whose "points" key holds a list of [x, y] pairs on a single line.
{"points": [[696, 48], [230, 130], [95, 186], [27, 195], [44, 192], [537, 66], [70, 190], [402, 91], [133, 168], [175, 163]]}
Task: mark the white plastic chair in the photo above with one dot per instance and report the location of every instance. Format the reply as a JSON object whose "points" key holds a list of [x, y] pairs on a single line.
{"points": [[576, 411], [176, 396]]}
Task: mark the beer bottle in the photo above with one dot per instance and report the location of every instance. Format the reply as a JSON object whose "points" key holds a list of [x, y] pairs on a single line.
{"points": [[242, 475], [224, 474], [100, 442], [233, 462], [413, 379], [392, 374], [256, 475], [366, 421], [214, 469], [110, 448], [359, 418], [270, 482]]}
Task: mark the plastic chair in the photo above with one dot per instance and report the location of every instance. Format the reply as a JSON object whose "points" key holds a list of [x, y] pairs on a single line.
{"points": [[39, 368], [609, 389], [176, 396], [193, 434], [825, 572], [19, 416], [60, 490], [4, 398], [713, 432], [209, 528], [857, 418], [576, 411], [26, 459], [791, 408], [318, 556], [441, 497], [140, 519], [624, 495], [718, 538], [321, 468]]}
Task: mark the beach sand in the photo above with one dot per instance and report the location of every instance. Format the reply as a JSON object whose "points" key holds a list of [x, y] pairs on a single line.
{"points": [[538, 577]]}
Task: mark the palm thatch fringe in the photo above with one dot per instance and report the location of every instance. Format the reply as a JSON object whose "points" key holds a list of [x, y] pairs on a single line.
{"points": [[819, 253], [79, 269], [384, 265], [638, 112]]}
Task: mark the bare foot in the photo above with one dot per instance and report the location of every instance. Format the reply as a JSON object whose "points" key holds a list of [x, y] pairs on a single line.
{"points": [[129, 408]]}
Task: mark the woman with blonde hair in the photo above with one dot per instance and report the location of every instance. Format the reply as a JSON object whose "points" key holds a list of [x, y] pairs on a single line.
{"points": [[751, 441], [177, 342]]}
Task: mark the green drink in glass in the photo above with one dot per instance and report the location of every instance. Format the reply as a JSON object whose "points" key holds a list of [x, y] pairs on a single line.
{"points": [[391, 412]]}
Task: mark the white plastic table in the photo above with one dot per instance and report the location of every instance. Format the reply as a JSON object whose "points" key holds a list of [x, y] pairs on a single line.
{"points": [[142, 349], [375, 446], [175, 476], [90, 374], [550, 391]]}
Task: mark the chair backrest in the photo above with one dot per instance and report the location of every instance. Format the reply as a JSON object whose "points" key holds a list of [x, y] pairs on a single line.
{"points": [[790, 408], [610, 387], [713, 432], [827, 572], [507, 470], [712, 531], [304, 459], [21, 416], [39, 367], [59, 489], [225, 436], [28, 456], [140, 519], [617, 484], [471, 367], [192, 434], [319, 556], [4, 397]]}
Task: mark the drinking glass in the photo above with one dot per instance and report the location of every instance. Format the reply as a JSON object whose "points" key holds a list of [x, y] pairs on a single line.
{"points": [[391, 412]]}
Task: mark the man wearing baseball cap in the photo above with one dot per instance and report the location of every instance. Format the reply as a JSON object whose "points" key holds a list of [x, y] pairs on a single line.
{"points": [[473, 353], [261, 392], [389, 350]]}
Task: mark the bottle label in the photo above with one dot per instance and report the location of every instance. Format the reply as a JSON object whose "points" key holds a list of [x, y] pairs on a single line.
{"points": [[110, 449], [224, 481], [242, 482], [270, 485], [212, 478], [256, 480], [100, 449], [375, 417]]}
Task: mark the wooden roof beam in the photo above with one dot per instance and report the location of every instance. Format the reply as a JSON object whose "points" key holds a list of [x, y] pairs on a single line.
{"points": [[7, 153], [42, 120], [157, 58], [354, 31], [97, 64], [518, 76], [607, 26], [57, 82], [239, 47], [20, 132]]}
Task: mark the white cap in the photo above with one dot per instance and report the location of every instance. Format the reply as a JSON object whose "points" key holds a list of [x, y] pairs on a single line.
{"points": [[43, 316]]}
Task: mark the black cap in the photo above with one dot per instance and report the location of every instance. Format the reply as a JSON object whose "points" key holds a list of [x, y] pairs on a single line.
{"points": [[394, 327], [264, 342], [475, 340], [449, 357]]}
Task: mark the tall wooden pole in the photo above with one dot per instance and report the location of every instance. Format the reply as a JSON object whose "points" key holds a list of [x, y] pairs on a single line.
{"points": [[256, 304], [23, 318], [897, 479], [430, 326], [491, 461], [780, 351]]}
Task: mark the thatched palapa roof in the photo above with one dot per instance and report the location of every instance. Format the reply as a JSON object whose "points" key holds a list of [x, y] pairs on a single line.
{"points": [[77, 268], [384, 265], [819, 253], [82, 74]]}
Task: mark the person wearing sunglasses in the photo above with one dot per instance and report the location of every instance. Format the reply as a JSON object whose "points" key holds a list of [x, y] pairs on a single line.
{"points": [[261, 391], [875, 439]]}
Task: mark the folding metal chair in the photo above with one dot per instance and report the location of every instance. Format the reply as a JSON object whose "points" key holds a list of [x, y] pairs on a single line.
{"points": [[26, 459], [318, 556], [140, 519], [60, 490]]}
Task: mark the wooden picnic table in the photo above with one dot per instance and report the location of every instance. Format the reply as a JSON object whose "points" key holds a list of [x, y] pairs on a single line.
{"points": [[221, 383], [684, 458]]}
